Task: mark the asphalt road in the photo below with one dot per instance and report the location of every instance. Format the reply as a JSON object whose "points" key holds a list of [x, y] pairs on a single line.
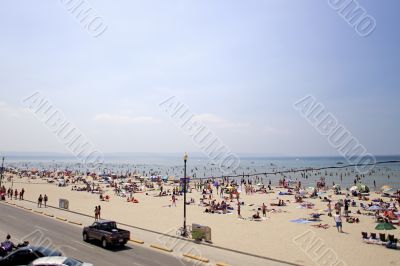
{"points": [[41, 230]]}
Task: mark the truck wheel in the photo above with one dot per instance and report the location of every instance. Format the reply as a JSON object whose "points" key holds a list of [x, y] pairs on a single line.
{"points": [[85, 237], [104, 243]]}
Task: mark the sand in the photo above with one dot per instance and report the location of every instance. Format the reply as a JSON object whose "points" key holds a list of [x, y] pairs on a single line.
{"points": [[276, 237]]}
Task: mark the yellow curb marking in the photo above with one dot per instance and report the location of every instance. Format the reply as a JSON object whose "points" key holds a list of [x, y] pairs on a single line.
{"points": [[161, 248], [222, 264], [136, 241], [202, 259], [71, 222]]}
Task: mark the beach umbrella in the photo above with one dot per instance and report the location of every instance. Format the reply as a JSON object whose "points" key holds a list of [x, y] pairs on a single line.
{"points": [[385, 226], [374, 208], [353, 188], [385, 187], [363, 188], [390, 191]]}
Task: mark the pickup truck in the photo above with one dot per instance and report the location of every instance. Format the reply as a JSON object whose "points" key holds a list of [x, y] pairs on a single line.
{"points": [[106, 232]]}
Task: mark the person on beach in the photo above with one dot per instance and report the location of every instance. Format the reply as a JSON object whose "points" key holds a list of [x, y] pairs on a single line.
{"points": [[99, 212], [22, 193], [96, 214], [45, 200], [238, 210], [264, 210], [40, 200], [338, 220], [16, 194], [256, 216], [173, 200], [329, 209], [346, 208]]}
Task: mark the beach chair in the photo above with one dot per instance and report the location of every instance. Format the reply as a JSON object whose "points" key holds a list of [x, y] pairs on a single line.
{"points": [[364, 235], [392, 243], [382, 238], [372, 239]]}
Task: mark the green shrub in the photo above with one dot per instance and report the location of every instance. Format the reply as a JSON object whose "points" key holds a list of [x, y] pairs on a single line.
{"points": [[198, 235]]}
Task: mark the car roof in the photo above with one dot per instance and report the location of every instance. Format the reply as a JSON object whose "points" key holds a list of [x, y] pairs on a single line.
{"points": [[46, 251], [104, 221], [49, 260], [42, 250]]}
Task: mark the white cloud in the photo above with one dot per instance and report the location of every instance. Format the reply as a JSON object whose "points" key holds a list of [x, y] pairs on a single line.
{"points": [[125, 119], [215, 120], [275, 131], [9, 111]]}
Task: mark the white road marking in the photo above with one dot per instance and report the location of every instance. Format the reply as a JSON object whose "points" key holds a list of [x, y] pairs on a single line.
{"points": [[41, 228], [82, 244], [67, 246]]}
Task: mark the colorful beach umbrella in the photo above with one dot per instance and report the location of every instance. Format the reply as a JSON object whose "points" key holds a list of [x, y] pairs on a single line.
{"points": [[385, 226]]}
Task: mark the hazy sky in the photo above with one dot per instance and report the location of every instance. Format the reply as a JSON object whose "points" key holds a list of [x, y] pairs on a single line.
{"points": [[239, 65]]}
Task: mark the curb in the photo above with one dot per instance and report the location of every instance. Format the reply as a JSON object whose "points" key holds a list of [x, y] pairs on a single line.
{"points": [[161, 248], [222, 264], [71, 222], [61, 219], [136, 241], [38, 212], [28, 209], [50, 215], [194, 257]]}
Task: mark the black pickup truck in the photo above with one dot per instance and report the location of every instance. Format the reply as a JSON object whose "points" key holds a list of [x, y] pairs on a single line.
{"points": [[106, 232]]}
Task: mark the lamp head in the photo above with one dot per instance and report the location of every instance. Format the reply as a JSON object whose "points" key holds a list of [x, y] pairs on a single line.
{"points": [[185, 157]]}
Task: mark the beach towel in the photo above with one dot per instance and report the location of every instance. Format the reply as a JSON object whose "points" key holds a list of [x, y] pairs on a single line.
{"points": [[300, 221]]}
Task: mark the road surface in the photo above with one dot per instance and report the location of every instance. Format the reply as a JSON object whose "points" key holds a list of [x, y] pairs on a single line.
{"points": [[41, 230]]}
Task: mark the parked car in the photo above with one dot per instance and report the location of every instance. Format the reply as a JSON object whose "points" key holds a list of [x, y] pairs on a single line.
{"points": [[58, 261], [25, 255], [106, 232]]}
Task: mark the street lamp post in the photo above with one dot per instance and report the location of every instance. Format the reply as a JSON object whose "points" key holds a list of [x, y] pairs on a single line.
{"points": [[184, 231], [1, 174]]}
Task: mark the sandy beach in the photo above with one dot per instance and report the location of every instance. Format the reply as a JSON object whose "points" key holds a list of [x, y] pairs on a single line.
{"points": [[274, 236]]}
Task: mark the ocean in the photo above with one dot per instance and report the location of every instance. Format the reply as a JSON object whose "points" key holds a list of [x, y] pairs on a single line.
{"points": [[201, 167]]}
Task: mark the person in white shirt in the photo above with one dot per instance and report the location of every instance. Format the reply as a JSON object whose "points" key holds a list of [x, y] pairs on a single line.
{"points": [[338, 220]]}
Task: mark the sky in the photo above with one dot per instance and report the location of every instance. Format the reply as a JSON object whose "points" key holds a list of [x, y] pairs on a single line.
{"points": [[238, 66]]}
